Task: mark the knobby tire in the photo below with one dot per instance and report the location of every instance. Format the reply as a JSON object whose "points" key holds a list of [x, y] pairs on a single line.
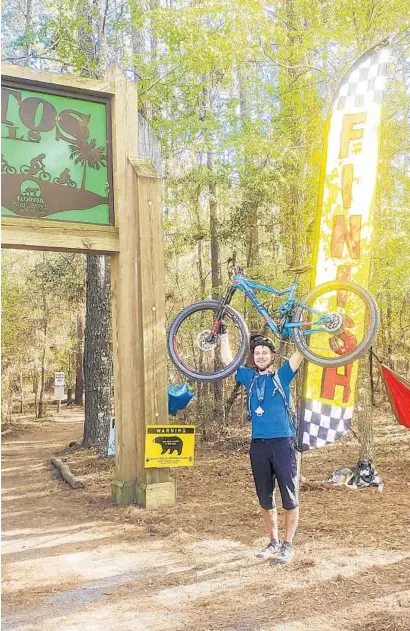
{"points": [[361, 349], [214, 306]]}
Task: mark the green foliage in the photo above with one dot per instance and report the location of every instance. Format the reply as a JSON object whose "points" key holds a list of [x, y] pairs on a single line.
{"points": [[238, 93], [41, 296], [15, 325]]}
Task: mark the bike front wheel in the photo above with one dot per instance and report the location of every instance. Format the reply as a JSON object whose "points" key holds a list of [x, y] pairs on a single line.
{"points": [[339, 321], [198, 353]]}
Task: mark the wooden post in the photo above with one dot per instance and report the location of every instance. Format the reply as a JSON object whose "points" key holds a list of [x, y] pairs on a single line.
{"points": [[140, 365], [138, 302], [157, 488]]}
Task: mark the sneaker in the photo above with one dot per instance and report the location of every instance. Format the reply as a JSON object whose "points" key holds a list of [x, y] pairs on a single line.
{"points": [[286, 553], [272, 549]]}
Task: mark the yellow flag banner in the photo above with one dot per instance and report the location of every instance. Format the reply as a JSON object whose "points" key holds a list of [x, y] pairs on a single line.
{"points": [[343, 231]]}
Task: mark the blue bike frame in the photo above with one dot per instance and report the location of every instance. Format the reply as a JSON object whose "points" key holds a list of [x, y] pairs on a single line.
{"points": [[285, 309]]}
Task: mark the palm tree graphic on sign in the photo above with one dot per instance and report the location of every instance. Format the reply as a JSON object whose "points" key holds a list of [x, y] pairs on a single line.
{"points": [[87, 154]]}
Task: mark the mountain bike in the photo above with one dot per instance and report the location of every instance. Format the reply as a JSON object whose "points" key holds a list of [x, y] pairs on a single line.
{"points": [[7, 168], [333, 325], [65, 182], [40, 173]]}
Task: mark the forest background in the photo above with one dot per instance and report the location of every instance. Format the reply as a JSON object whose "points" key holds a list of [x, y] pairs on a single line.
{"points": [[236, 95]]}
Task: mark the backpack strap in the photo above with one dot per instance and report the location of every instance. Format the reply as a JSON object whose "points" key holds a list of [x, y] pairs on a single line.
{"points": [[278, 386], [249, 394], [289, 408]]}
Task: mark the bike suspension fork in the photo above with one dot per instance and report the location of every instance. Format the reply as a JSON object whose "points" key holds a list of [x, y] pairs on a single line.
{"points": [[227, 299]]}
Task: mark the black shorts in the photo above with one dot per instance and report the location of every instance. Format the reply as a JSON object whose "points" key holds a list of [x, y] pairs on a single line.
{"points": [[274, 459]]}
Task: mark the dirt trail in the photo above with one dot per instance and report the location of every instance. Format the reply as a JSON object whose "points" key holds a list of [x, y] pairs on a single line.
{"points": [[72, 562]]}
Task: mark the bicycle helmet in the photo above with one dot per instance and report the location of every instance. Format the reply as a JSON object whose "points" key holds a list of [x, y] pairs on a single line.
{"points": [[260, 340]]}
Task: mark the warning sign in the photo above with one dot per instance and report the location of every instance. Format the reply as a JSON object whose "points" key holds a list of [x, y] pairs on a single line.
{"points": [[169, 446]]}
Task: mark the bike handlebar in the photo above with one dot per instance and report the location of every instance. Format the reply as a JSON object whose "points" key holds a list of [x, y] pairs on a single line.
{"points": [[234, 269]]}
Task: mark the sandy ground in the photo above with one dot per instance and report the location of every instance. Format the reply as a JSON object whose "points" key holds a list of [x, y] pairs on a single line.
{"points": [[74, 562]]}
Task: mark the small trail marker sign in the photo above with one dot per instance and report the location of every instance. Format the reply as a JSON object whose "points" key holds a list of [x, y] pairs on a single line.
{"points": [[59, 379], [58, 388], [58, 393]]}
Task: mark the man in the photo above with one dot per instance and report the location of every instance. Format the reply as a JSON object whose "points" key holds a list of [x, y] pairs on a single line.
{"points": [[272, 453]]}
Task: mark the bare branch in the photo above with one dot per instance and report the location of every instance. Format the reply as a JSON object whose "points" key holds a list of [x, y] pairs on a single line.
{"points": [[40, 58]]}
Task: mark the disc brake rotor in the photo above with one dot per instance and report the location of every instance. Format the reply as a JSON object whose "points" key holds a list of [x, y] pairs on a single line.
{"points": [[334, 323], [206, 341]]}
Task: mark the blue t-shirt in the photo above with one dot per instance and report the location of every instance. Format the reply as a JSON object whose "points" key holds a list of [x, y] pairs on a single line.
{"points": [[274, 422]]}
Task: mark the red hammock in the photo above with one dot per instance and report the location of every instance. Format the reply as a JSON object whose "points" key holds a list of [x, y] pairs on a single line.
{"points": [[398, 390]]}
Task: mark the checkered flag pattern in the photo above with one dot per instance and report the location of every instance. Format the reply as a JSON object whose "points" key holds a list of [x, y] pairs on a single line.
{"points": [[323, 423], [365, 84]]}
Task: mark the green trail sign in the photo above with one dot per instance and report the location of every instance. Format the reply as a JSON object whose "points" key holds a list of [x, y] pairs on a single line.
{"points": [[56, 154]]}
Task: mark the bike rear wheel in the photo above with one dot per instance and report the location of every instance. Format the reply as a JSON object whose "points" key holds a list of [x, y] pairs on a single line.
{"points": [[198, 354], [349, 331]]}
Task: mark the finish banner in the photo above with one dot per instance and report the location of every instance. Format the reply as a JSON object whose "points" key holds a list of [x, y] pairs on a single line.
{"points": [[343, 230]]}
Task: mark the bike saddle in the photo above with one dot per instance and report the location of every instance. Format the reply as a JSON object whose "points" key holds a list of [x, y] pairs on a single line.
{"points": [[302, 269]]}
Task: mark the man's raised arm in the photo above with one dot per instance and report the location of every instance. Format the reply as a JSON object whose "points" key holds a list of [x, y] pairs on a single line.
{"points": [[226, 352], [295, 360]]}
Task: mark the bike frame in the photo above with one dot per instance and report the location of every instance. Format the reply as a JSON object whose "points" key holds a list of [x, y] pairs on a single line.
{"points": [[285, 309]]}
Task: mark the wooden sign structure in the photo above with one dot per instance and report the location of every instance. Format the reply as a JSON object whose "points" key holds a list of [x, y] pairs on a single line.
{"points": [[41, 103]]}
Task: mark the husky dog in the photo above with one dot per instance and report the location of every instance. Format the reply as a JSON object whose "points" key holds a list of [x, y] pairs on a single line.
{"points": [[357, 477], [344, 475]]}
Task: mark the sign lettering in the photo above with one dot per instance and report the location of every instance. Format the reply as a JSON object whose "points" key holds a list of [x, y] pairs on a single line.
{"points": [[167, 446], [55, 161], [343, 239]]}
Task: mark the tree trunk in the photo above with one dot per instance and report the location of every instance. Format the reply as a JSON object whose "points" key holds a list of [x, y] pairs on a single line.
{"points": [[215, 264], [138, 43], [29, 20], [21, 392], [86, 43], [101, 37], [213, 223], [252, 257], [201, 390], [98, 354], [372, 384], [83, 179], [153, 4], [200, 239], [389, 333], [41, 405], [79, 375], [9, 405], [294, 163], [35, 387], [364, 411], [97, 339], [69, 396]]}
